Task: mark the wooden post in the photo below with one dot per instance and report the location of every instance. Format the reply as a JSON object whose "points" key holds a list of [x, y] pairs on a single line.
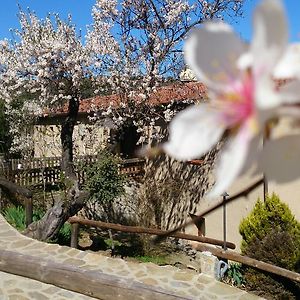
{"points": [[267, 133], [266, 187], [199, 223], [74, 235], [28, 211], [225, 195]]}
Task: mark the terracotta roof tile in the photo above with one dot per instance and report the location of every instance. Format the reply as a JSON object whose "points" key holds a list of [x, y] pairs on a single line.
{"points": [[163, 95]]}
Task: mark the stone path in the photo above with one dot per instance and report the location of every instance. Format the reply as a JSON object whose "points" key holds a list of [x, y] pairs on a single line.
{"points": [[184, 283]]}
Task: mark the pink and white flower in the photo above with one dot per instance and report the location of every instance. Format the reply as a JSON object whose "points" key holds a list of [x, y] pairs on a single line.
{"points": [[242, 91]]}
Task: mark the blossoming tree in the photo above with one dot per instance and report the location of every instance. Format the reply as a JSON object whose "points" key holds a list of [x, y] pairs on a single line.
{"points": [[130, 49], [43, 69], [148, 39]]}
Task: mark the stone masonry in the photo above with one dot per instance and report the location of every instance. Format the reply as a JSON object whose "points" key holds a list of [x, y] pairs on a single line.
{"points": [[187, 284]]}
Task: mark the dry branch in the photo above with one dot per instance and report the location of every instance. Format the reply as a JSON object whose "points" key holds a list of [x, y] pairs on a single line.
{"points": [[218, 204]]}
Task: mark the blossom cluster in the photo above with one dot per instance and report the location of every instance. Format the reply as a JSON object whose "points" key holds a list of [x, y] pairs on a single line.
{"points": [[41, 69], [147, 51], [130, 49]]}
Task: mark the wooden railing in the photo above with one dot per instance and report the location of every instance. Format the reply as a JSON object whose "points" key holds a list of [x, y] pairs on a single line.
{"points": [[75, 221], [44, 171], [202, 246]]}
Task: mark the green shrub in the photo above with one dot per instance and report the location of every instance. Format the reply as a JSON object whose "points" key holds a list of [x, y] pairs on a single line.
{"points": [[271, 234], [103, 179], [15, 215]]}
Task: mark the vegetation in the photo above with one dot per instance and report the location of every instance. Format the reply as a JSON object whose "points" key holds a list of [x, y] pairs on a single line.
{"points": [[271, 234], [158, 260], [104, 182], [234, 275], [5, 138], [15, 215]]}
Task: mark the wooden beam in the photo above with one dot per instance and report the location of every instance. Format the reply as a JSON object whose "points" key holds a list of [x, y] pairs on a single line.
{"points": [[90, 283], [14, 188], [137, 229], [231, 255]]}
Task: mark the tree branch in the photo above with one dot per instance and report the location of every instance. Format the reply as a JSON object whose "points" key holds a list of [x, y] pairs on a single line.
{"points": [[245, 193]]}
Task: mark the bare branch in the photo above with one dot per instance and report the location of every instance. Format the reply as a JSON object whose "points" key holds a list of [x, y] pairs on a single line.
{"points": [[218, 204]]}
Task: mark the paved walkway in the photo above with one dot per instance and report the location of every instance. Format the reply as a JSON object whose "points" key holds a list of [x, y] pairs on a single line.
{"points": [[184, 283]]}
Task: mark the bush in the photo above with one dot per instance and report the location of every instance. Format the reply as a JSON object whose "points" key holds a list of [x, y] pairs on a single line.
{"points": [[103, 179], [271, 234]]}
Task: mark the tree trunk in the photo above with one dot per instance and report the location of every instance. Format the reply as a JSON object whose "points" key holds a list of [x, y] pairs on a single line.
{"points": [[47, 228]]}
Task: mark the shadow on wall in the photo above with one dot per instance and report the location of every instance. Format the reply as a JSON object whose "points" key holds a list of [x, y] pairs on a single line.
{"points": [[168, 193], [172, 190]]}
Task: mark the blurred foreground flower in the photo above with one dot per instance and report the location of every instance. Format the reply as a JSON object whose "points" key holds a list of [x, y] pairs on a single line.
{"points": [[242, 91]]}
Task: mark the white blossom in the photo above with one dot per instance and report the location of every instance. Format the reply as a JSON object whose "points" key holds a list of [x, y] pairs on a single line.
{"points": [[242, 100]]}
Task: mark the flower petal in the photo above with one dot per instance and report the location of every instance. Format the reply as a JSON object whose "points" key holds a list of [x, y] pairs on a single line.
{"points": [[270, 36], [193, 132], [290, 92], [245, 61], [212, 52], [289, 65], [231, 162], [280, 159], [268, 44], [254, 151], [266, 97]]}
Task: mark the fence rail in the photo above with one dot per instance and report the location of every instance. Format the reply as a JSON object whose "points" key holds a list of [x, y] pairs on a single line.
{"points": [[137, 229], [45, 171]]}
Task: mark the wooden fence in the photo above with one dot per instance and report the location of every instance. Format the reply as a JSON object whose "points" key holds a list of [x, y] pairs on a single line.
{"points": [[46, 171]]}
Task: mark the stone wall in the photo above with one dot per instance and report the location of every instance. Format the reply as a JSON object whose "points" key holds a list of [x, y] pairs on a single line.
{"points": [[169, 191]]}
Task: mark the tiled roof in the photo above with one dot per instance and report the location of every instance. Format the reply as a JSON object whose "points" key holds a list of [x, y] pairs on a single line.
{"points": [[174, 92]]}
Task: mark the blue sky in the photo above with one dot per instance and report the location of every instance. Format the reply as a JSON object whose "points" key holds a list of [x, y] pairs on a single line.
{"points": [[81, 12], [79, 9], [292, 7]]}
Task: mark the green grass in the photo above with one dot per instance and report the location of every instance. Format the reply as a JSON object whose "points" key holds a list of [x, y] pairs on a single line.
{"points": [[158, 260], [15, 215]]}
